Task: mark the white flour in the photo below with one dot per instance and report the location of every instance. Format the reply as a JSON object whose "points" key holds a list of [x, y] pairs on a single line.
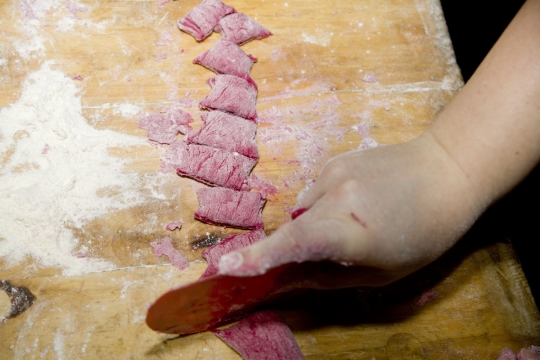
{"points": [[54, 174], [32, 12]]}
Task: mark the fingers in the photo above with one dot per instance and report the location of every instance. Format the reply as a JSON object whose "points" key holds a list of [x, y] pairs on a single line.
{"points": [[310, 237], [333, 174], [325, 228], [286, 245]]}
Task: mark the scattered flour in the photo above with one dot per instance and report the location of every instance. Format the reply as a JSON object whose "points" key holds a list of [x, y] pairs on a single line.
{"points": [[311, 139], [31, 46], [59, 346], [127, 110], [66, 23], [32, 12], [36, 10], [322, 38], [56, 173], [363, 129], [126, 285]]}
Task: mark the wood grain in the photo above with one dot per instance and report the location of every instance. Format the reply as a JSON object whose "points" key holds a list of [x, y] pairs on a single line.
{"points": [[312, 100]]}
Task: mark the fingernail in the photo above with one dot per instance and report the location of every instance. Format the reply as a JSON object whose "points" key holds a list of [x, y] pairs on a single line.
{"points": [[230, 262]]}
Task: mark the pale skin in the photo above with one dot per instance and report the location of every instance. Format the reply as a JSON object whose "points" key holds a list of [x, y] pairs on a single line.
{"points": [[393, 209]]}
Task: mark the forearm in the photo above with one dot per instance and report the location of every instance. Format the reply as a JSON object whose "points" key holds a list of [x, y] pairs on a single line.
{"points": [[491, 129]]}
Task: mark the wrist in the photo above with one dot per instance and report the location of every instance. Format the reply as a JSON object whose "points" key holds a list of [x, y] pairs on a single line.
{"points": [[463, 191]]}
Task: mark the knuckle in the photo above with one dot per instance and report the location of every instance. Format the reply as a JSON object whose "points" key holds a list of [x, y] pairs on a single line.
{"points": [[348, 189], [336, 168]]}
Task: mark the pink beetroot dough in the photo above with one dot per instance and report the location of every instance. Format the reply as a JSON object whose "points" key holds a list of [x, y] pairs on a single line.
{"points": [[262, 336], [221, 206]]}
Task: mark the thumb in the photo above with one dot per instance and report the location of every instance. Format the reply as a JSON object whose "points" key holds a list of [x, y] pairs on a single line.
{"points": [[306, 238]]}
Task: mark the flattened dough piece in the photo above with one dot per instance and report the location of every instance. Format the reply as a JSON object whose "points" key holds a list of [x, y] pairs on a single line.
{"points": [[227, 132], [234, 242], [164, 126], [240, 28], [222, 206], [232, 94], [166, 248], [261, 336], [202, 19], [211, 166], [226, 58]]}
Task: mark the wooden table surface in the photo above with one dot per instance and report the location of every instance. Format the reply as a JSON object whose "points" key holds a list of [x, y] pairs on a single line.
{"points": [[314, 103]]}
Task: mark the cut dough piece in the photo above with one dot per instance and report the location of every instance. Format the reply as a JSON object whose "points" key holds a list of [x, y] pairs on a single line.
{"points": [[227, 132], [226, 58], [202, 19], [166, 248], [240, 28], [234, 242], [210, 165], [261, 336], [174, 225], [221, 206], [164, 126], [233, 95]]}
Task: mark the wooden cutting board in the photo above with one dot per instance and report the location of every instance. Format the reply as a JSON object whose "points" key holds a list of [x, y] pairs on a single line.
{"points": [[314, 102]]}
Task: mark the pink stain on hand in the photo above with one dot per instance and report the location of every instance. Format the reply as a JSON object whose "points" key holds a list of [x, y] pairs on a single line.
{"points": [[296, 213], [166, 248], [358, 220]]}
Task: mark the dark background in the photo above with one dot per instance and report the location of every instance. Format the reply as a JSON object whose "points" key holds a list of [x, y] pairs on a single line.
{"points": [[474, 27]]}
